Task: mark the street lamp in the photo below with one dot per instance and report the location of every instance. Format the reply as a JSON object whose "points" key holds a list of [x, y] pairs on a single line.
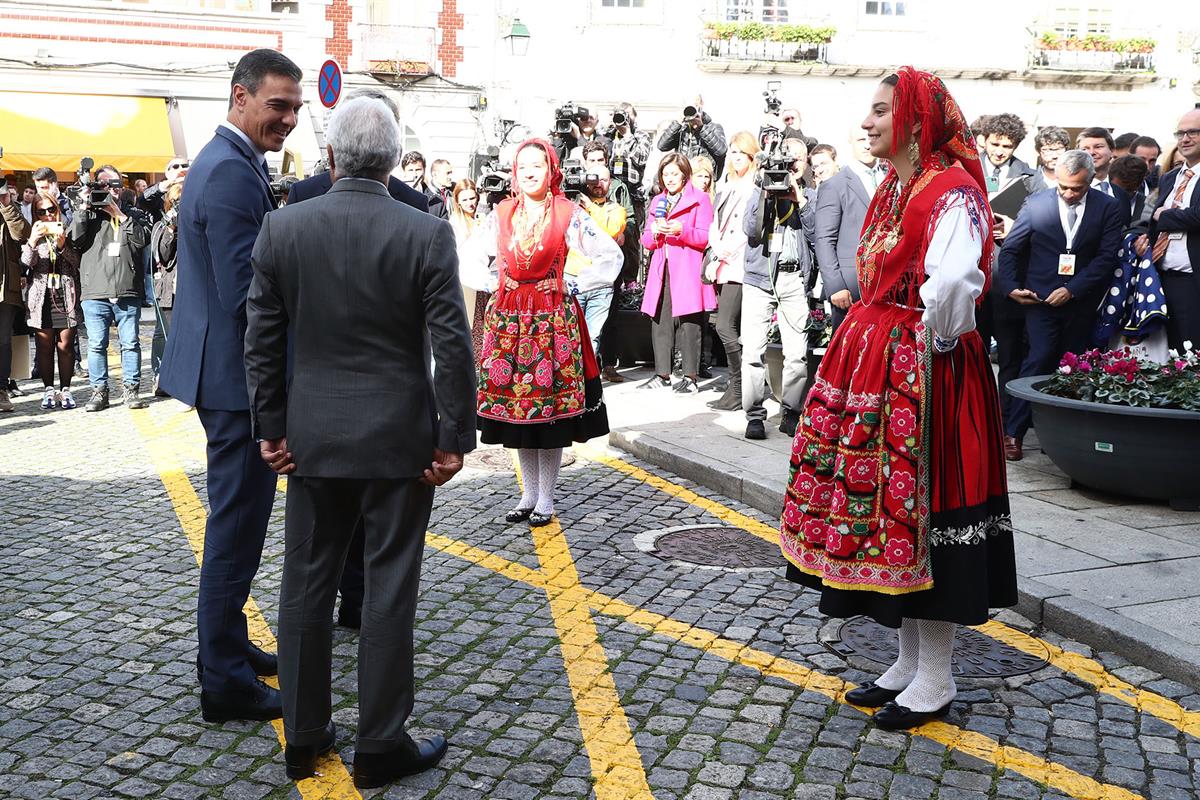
{"points": [[518, 38]]}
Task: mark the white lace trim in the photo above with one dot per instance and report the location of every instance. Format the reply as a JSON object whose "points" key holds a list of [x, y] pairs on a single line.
{"points": [[971, 534]]}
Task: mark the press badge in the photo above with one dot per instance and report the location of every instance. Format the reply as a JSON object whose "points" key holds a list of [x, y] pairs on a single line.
{"points": [[114, 249], [1175, 236], [776, 242], [1066, 264]]}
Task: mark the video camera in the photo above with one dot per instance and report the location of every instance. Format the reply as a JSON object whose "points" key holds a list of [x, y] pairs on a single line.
{"points": [[87, 191], [576, 180], [495, 183], [775, 166], [771, 97], [690, 113], [566, 114]]}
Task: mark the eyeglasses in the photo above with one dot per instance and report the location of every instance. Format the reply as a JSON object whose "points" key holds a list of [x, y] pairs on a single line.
{"points": [[178, 165], [1190, 133], [46, 211], [1053, 149]]}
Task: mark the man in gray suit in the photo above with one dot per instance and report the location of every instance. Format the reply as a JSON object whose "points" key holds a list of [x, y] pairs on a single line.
{"points": [[841, 208], [361, 428]]}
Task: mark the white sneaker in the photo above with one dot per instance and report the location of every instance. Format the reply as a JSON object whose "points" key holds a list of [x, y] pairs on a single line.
{"points": [[49, 399], [66, 399]]}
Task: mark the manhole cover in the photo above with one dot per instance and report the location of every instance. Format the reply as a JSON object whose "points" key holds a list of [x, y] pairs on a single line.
{"points": [[975, 654], [711, 547], [500, 459]]}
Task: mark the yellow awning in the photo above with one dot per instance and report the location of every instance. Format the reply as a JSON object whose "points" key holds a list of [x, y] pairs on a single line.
{"points": [[56, 130]]}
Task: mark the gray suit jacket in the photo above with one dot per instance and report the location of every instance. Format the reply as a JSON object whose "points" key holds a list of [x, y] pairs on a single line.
{"points": [[841, 208], [359, 278]]}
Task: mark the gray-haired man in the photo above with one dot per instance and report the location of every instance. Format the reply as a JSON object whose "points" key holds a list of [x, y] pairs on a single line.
{"points": [[354, 266]]}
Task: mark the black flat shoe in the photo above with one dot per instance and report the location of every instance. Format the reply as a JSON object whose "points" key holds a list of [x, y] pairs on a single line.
{"points": [[871, 696], [539, 520], [300, 760], [262, 662], [518, 515], [258, 702], [372, 770], [893, 717], [349, 617]]}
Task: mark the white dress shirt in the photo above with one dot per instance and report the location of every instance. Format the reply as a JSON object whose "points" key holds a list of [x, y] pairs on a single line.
{"points": [[1064, 217], [954, 278], [1176, 258], [1103, 185]]}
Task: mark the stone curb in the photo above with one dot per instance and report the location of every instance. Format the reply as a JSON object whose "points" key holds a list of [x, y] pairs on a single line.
{"points": [[1050, 606]]}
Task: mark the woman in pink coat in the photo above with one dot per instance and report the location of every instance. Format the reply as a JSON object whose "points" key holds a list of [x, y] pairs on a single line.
{"points": [[676, 298]]}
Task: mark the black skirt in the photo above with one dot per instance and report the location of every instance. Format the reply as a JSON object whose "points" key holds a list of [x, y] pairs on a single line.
{"points": [[550, 435], [969, 579]]}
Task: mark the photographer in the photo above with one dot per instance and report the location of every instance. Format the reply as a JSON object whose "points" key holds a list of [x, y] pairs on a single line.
{"points": [[594, 158], [695, 134], [612, 218], [52, 304], [153, 199], [112, 284], [575, 126], [13, 231], [779, 223], [630, 147], [162, 251]]}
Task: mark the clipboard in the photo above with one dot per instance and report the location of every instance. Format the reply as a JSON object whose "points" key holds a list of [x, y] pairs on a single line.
{"points": [[1008, 201]]}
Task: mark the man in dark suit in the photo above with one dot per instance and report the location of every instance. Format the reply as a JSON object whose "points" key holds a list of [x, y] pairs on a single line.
{"points": [[412, 167], [1099, 144], [841, 208], [1175, 237], [1057, 261], [228, 192], [357, 284], [1002, 135], [353, 578], [1128, 173]]}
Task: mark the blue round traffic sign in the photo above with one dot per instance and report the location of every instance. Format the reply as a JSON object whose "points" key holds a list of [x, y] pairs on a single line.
{"points": [[329, 83]]}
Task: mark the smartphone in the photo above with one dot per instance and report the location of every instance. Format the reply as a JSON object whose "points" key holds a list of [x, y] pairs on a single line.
{"points": [[55, 228]]}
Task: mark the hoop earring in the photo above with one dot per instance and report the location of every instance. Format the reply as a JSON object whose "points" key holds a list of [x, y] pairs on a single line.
{"points": [[914, 153]]}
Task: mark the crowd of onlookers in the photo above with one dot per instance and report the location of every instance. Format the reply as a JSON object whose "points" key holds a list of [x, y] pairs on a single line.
{"points": [[1096, 249]]}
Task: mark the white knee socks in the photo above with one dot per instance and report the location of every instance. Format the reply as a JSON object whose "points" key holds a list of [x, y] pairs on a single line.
{"points": [[530, 469], [933, 686], [901, 674], [548, 464]]}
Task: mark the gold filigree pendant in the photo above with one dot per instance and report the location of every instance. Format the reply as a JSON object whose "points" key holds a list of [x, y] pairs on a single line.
{"points": [[892, 239]]}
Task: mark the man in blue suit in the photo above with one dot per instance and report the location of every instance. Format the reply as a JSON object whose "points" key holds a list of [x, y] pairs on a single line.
{"points": [[1057, 260], [353, 583], [228, 193]]}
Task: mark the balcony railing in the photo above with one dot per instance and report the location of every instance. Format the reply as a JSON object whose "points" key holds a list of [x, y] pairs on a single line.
{"points": [[1094, 53], [760, 41], [398, 49]]}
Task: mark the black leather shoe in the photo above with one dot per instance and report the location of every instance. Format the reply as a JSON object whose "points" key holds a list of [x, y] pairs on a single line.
{"points": [[788, 422], [372, 770], [871, 696], [755, 429], [301, 759], [537, 520], [893, 717], [258, 702], [349, 617], [518, 515], [262, 662]]}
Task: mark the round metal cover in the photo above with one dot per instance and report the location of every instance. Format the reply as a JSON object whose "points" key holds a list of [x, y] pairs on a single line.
{"points": [[499, 459], [711, 547], [976, 655]]}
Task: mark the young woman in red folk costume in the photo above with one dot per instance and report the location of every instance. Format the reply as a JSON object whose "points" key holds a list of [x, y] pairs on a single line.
{"points": [[897, 504], [539, 384]]}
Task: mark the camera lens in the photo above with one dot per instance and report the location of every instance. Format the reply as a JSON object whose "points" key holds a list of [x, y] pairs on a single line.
{"points": [[689, 111], [619, 118]]}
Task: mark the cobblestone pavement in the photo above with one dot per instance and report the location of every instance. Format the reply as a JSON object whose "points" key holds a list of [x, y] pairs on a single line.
{"points": [[562, 664]]}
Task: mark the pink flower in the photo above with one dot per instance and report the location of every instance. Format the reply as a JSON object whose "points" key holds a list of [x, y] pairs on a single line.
{"points": [[904, 359], [1065, 369], [803, 485], [903, 422], [814, 531], [792, 516], [562, 348], [862, 471], [525, 353], [839, 498], [822, 495], [901, 485], [833, 542], [898, 552], [500, 372], [543, 374]]}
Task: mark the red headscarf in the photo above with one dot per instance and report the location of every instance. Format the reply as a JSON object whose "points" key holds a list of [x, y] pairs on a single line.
{"points": [[556, 176], [922, 97]]}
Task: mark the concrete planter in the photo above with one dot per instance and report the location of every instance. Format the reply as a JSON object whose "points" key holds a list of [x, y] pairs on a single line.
{"points": [[1143, 452]]}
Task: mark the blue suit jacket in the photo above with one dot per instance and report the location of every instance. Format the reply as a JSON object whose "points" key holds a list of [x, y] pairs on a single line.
{"points": [[1029, 257], [225, 198]]}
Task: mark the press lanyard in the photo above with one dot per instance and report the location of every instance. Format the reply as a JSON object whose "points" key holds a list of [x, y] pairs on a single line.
{"points": [[1070, 232]]}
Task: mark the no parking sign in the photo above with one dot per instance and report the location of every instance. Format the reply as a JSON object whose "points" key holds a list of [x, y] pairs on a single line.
{"points": [[329, 83]]}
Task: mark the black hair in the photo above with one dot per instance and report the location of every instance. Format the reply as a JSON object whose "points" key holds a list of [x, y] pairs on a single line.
{"points": [[1144, 141], [45, 174], [1128, 172], [412, 157], [1007, 125], [1052, 134], [109, 168], [892, 80], [1096, 133], [1124, 141], [256, 65]]}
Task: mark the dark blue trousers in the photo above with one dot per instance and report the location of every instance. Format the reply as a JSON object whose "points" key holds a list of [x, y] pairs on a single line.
{"points": [[1051, 332], [241, 491]]}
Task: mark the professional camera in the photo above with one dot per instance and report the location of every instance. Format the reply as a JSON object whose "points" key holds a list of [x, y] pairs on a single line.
{"points": [[619, 118], [771, 97], [282, 185], [87, 191], [566, 114], [576, 180], [690, 113], [775, 165], [495, 183]]}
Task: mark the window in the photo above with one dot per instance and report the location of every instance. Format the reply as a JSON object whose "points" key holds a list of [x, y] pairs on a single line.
{"points": [[756, 11], [1082, 19], [884, 8], [623, 3], [410, 141]]}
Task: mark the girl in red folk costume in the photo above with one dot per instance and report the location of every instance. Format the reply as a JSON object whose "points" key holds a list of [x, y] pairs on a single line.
{"points": [[539, 384], [897, 504]]}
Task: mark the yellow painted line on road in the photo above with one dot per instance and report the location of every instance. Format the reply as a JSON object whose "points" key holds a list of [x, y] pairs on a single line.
{"points": [[1086, 669], [617, 767], [333, 781], [1034, 767]]}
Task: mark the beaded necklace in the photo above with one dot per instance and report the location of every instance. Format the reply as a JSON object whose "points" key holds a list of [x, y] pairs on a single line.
{"points": [[527, 235]]}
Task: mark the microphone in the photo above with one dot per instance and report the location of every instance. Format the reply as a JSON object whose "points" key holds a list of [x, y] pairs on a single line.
{"points": [[661, 208]]}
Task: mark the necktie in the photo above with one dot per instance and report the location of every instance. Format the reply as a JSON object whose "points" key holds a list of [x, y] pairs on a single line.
{"points": [[996, 174], [1181, 187], [1072, 216], [1105, 187]]}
